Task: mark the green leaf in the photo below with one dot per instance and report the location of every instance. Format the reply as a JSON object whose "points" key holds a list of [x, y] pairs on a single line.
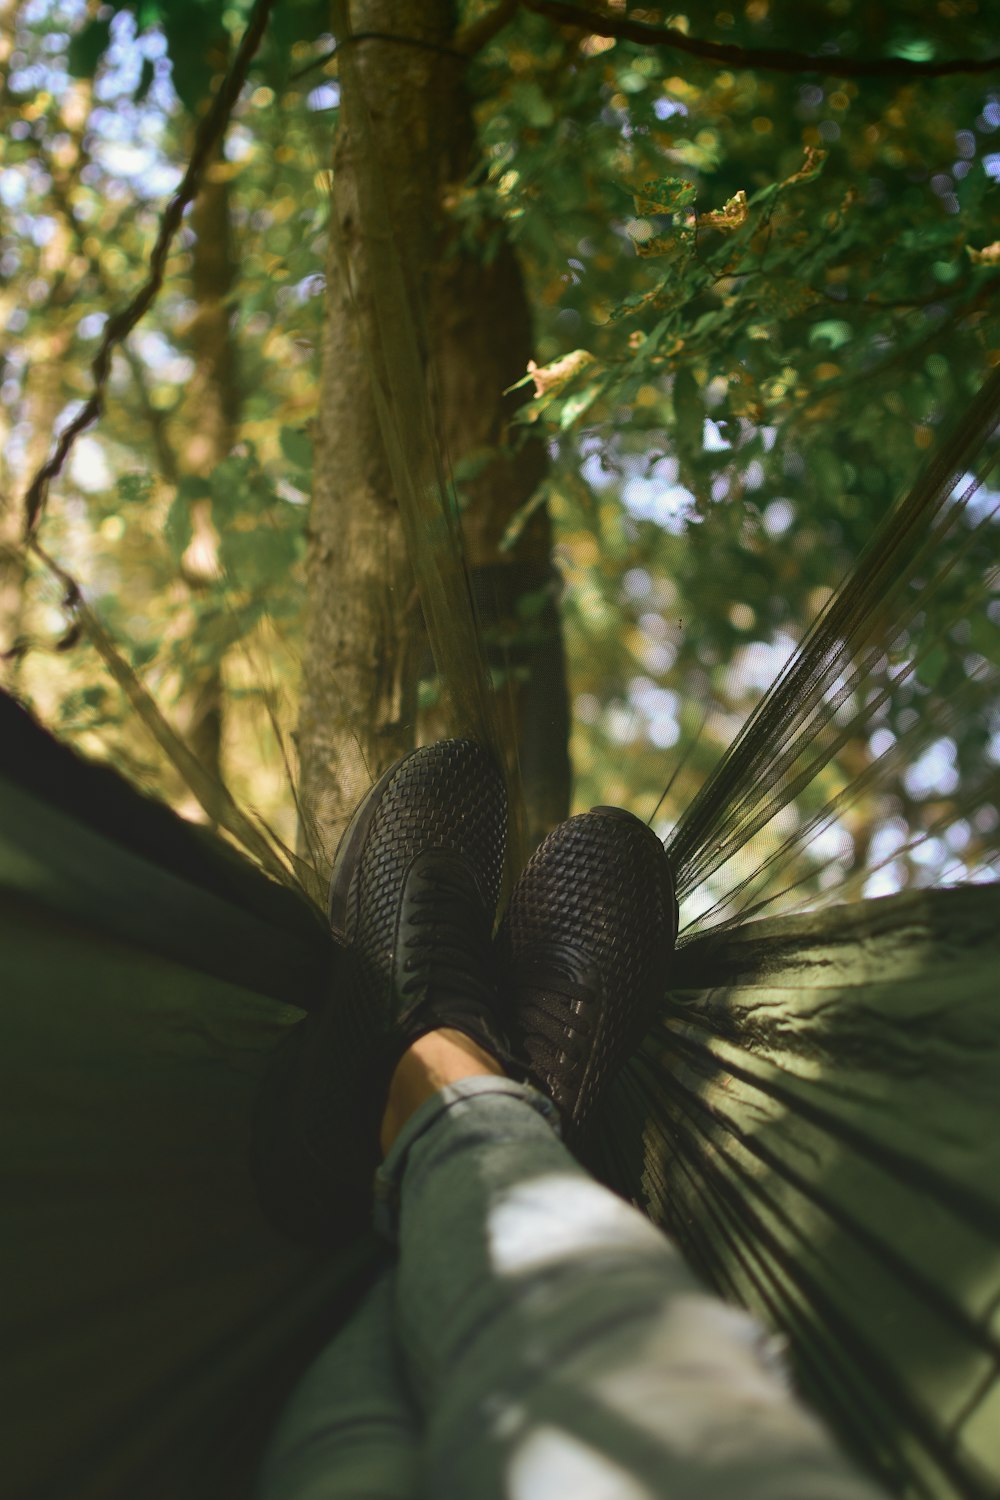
{"points": [[532, 105], [574, 406], [831, 331], [192, 38], [234, 491], [985, 635], [297, 446], [665, 195], [134, 489], [87, 48], [931, 667], [178, 528], [142, 654], [689, 415], [259, 555], [916, 50]]}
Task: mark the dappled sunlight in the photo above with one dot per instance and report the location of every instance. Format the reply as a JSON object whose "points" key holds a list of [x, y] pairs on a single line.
{"points": [[860, 1100], [549, 1462], [549, 1220]]}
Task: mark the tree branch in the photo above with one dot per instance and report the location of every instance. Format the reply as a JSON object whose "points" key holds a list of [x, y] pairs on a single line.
{"points": [[770, 59], [120, 325], [473, 38]]}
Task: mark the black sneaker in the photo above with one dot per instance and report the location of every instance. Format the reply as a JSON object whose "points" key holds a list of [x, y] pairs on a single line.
{"points": [[584, 954], [414, 891], [412, 898]]}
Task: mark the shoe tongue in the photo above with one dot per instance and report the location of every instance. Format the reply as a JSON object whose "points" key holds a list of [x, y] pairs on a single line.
{"points": [[453, 941], [444, 925]]}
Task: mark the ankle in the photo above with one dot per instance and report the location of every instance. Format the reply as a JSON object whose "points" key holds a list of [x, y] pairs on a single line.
{"points": [[434, 1060]]}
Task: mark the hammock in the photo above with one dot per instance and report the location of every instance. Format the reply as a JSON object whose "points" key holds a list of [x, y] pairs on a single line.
{"points": [[145, 976], [813, 1116], [813, 1119]]}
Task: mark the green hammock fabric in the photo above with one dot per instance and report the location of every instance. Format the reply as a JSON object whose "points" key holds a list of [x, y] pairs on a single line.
{"points": [[814, 1119], [151, 1319]]}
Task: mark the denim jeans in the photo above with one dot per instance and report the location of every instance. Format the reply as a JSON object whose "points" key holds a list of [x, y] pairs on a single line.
{"points": [[539, 1339]]}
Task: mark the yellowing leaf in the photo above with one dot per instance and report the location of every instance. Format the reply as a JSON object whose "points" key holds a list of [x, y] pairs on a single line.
{"points": [[660, 244], [732, 216], [666, 195], [811, 167], [552, 377], [989, 255]]}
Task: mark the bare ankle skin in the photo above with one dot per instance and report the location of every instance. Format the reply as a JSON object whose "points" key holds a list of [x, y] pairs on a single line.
{"points": [[435, 1059]]}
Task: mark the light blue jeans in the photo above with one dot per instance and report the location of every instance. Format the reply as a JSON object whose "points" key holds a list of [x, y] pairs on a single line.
{"points": [[538, 1339]]}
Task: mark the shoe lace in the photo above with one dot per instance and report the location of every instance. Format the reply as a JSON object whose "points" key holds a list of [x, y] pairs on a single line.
{"points": [[445, 951], [557, 1027]]}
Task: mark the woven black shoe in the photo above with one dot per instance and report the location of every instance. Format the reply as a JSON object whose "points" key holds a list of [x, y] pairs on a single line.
{"points": [[412, 898], [584, 952], [414, 891]]}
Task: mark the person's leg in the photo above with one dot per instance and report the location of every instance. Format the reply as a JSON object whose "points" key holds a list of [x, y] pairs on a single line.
{"points": [[558, 1344], [412, 900], [348, 1430]]}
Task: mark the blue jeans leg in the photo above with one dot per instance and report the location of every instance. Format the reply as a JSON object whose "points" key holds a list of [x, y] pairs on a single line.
{"points": [[557, 1342], [349, 1431]]}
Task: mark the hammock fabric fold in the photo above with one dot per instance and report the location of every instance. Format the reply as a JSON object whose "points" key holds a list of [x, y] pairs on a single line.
{"points": [[814, 1119]]}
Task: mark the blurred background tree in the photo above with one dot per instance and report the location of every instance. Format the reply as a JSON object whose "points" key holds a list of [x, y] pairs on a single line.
{"points": [[752, 296]]}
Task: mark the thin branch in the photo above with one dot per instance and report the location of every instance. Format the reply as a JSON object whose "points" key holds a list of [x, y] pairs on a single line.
{"points": [[120, 325], [472, 39], [166, 457], [426, 45], [210, 790], [771, 59]]}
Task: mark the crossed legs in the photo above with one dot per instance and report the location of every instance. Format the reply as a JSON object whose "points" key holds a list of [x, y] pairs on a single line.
{"points": [[538, 1337]]}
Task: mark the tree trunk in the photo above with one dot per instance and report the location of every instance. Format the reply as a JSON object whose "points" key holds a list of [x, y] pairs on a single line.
{"points": [[11, 568], [364, 647], [212, 416]]}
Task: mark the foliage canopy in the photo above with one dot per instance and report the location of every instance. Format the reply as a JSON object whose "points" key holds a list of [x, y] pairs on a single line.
{"points": [[758, 296]]}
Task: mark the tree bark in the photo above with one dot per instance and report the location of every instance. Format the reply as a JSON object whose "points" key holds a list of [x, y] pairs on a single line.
{"points": [[364, 646], [213, 411]]}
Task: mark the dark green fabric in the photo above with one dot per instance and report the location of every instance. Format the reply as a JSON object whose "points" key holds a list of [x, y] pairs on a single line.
{"points": [[815, 1120], [82, 841], [151, 1320]]}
